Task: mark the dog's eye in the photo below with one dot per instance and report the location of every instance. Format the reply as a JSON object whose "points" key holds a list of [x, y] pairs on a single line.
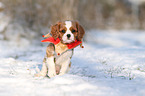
{"points": [[63, 31], [73, 31]]}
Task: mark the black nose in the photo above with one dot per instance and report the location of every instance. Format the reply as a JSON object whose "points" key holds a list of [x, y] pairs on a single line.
{"points": [[68, 35]]}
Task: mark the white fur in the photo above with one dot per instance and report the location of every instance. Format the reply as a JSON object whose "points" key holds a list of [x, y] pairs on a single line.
{"points": [[68, 24], [63, 57], [43, 71], [51, 66], [64, 66], [64, 61]]}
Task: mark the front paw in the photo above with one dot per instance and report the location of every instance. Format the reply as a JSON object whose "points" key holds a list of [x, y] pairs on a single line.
{"points": [[51, 73]]}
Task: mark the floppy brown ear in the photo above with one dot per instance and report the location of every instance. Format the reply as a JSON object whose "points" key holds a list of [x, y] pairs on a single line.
{"points": [[81, 31], [55, 31]]}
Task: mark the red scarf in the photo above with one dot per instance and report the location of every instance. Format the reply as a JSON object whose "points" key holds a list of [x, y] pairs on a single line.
{"points": [[55, 42]]}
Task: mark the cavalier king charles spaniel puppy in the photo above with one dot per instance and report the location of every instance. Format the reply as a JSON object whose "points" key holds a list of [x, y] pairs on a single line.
{"points": [[65, 36]]}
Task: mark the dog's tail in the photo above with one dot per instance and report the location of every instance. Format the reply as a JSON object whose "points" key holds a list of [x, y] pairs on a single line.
{"points": [[47, 35]]}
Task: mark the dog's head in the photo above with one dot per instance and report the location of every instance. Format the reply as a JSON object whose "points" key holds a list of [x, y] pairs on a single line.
{"points": [[67, 31]]}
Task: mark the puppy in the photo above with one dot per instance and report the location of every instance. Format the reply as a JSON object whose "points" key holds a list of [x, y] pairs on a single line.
{"points": [[58, 56]]}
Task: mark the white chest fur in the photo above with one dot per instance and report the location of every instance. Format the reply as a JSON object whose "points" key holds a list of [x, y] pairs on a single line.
{"points": [[63, 57]]}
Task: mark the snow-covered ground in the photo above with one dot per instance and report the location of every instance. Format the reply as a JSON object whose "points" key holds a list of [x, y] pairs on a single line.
{"points": [[111, 64]]}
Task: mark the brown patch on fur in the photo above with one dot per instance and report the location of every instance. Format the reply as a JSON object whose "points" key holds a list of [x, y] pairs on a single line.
{"points": [[50, 50], [74, 25], [81, 31], [56, 30], [62, 27], [44, 60], [69, 64]]}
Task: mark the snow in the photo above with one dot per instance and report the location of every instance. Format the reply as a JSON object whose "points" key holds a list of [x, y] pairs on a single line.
{"points": [[111, 64]]}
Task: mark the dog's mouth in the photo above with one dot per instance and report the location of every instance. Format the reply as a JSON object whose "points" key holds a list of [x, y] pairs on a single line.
{"points": [[68, 41]]}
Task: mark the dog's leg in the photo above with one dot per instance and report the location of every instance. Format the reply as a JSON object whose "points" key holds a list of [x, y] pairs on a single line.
{"points": [[48, 63], [66, 62], [68, 68], [50, 60], [43, 71], [64, 66], [51, 66]]}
